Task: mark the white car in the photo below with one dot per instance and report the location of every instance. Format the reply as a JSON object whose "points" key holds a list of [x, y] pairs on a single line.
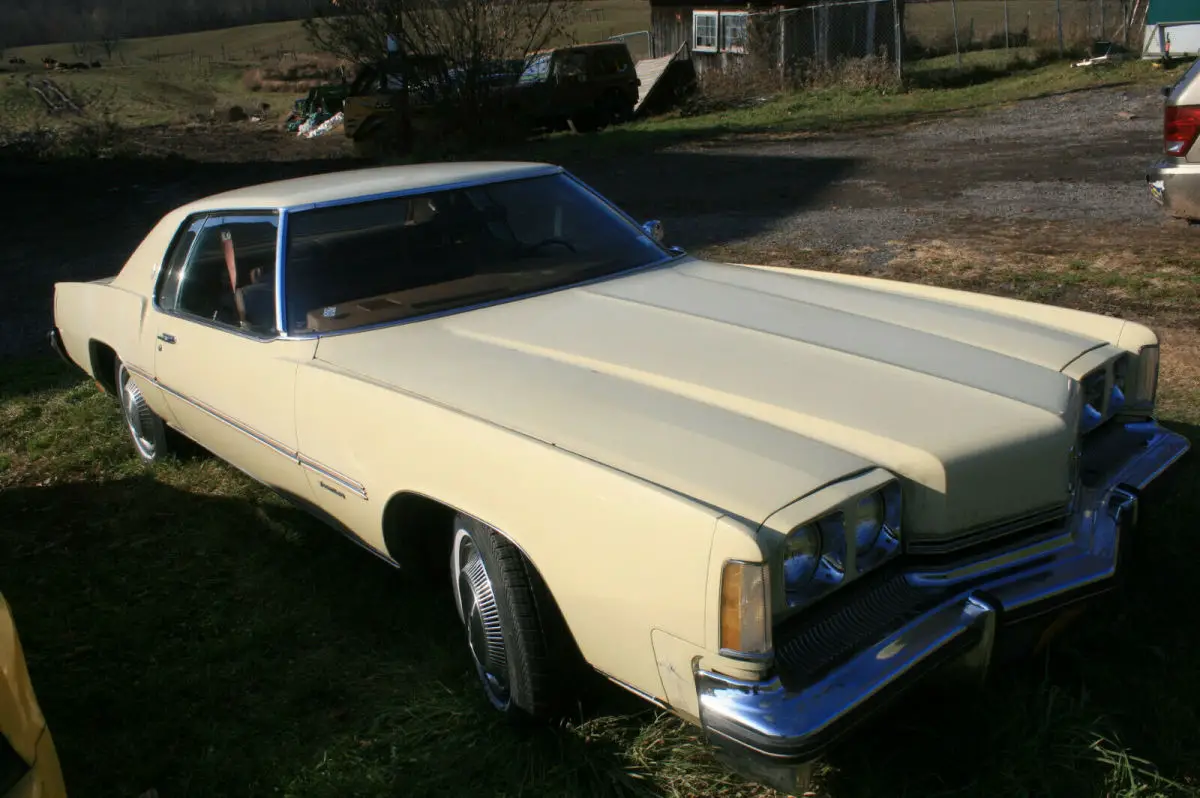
{"points": [[1174, 180]]}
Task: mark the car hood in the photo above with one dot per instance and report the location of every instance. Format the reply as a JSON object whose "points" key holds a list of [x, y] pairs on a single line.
{"points": [[747, 388]]}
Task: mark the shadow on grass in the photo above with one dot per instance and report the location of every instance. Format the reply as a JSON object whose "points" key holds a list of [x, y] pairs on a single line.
{"points": [[210, 645], [26, 375]]}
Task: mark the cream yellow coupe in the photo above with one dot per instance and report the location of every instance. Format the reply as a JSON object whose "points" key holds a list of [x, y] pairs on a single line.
{"points": [[767, 499]]}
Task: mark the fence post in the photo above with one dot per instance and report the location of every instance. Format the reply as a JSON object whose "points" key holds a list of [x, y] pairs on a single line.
{"points": [[1058, 13], [825, 33], [869, 45], [954, 17], [781, 29], [816, 45], [897, 21], [1005, 24]]}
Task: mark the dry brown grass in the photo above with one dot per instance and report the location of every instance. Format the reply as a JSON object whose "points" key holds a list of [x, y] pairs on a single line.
{"points": [[757, 84], [853, 74], [295, 73], [1102, 272]]}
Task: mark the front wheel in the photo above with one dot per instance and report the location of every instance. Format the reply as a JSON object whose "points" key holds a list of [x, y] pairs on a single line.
{"points": [[510, 621], [146, 429]]}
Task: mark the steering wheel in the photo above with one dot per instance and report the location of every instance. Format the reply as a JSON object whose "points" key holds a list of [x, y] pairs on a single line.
{"points": [[546, 242]]}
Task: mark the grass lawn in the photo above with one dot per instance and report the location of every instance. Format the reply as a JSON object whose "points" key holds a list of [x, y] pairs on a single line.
{"points": [[188, 632]]}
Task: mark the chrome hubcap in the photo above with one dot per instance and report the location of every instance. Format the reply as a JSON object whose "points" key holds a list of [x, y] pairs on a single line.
{"points": [[137, 416], [477, 609]]}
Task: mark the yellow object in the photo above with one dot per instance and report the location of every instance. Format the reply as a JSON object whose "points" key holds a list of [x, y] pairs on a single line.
{"points": [[22, 724]]}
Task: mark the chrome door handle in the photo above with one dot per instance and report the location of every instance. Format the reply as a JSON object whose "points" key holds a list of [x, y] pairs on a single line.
{"points": [[166, 338]]}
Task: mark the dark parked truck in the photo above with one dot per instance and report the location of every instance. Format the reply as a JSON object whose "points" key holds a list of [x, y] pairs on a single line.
{"points": [[588, 86]]}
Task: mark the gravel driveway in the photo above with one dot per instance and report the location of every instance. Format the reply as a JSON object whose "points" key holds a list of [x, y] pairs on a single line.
{"points": [[1076, 158], [1066, 168]]}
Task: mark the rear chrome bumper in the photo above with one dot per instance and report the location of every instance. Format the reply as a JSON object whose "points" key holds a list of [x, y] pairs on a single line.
{"points": [[771, 730], [1175, 184], [54, 337]]}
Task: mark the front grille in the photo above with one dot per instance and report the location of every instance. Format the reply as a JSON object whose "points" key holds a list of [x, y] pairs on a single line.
{"points": [[809, 644]]}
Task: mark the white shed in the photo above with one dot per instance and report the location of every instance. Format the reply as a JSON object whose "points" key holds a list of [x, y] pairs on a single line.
{"points": [[1172, 22]]}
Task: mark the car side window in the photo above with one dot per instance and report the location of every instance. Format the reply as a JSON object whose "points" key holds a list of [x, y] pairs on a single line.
{"points": [[172, 268], [229, 277], [571, 65]]}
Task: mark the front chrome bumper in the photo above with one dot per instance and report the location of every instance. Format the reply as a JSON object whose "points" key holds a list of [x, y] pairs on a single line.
{"points": [[771, 730], [1175, 184]]}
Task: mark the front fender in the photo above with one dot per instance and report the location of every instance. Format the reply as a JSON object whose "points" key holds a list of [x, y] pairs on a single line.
{"points": [[622, 557]]}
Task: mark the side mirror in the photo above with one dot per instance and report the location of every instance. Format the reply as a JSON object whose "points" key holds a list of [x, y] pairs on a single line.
{"points": [[1166, 91], [654, 229]]}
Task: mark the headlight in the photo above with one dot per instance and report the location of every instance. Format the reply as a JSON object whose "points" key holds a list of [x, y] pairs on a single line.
{"points": [[823, 554], [868, 522], [1147, 376], [1093, 400], [1120, 384], [883, 514], [802, 556]]}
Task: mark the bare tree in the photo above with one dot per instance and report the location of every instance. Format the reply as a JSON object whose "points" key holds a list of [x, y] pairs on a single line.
{"points": [[473, 40]]}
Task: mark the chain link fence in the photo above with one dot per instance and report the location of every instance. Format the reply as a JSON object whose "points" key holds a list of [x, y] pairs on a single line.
{"points": [[944, 27], [828, 32]]}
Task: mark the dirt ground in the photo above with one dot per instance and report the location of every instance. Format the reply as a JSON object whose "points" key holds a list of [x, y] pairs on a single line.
{"points": [[1038, 185]]}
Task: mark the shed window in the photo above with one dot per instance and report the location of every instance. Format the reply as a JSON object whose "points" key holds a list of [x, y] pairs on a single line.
{"points": [[704, 31], [733, 32]]}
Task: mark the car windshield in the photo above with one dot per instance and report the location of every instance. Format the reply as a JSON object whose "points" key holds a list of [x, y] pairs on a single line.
{"points": [[383, 260], [537, 70]]}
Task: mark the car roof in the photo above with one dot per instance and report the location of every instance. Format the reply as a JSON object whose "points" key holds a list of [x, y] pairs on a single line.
{"points": [[582, 46], [353, 184]]}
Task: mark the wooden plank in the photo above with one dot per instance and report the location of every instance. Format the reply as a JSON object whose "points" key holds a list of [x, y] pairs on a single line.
{"points": [[650, 71]]}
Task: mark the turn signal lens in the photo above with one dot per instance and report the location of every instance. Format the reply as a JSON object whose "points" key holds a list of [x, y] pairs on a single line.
{"points": [[745, 611]]}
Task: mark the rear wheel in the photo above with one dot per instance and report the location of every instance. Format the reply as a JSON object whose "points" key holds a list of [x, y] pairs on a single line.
{"points": [[620, 109], [146, 429], [514, 634]]}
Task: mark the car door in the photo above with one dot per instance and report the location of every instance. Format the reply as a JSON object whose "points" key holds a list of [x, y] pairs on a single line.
{"points": [[228, 376]]}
